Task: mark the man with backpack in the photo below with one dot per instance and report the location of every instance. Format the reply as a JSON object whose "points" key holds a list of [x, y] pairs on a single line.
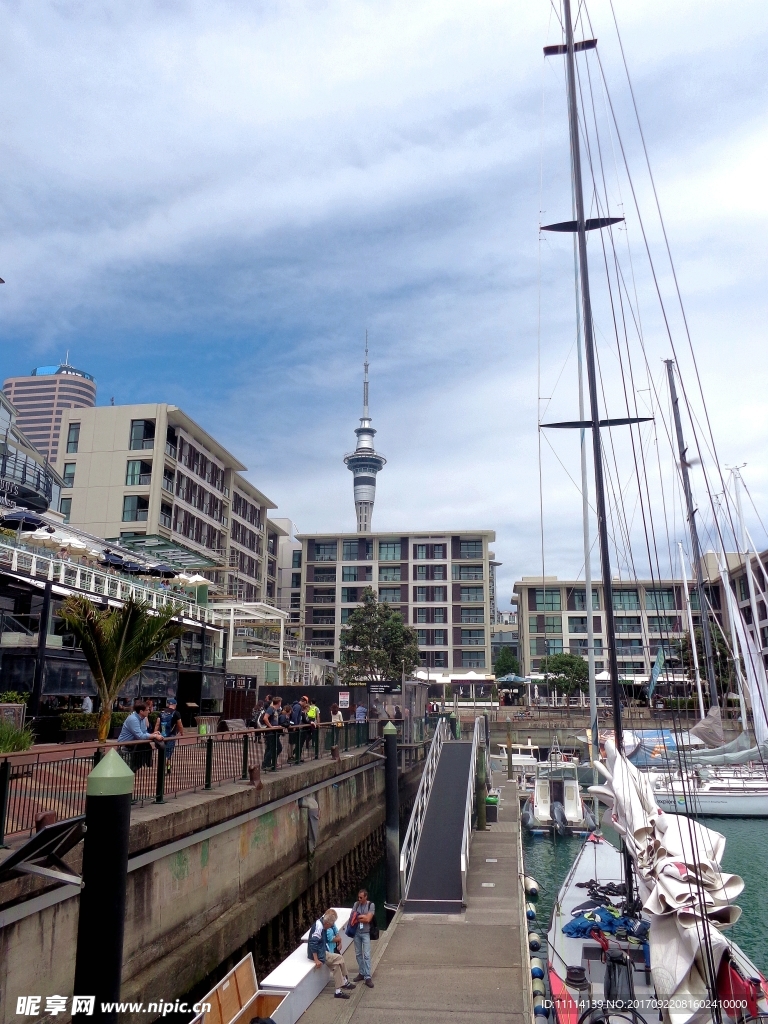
{"points": [[362, 915], [270, 719], [170, 726], [299, 718]]}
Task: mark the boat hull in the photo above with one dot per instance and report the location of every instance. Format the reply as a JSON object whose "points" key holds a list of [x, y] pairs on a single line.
{"points": [[721, 805]]}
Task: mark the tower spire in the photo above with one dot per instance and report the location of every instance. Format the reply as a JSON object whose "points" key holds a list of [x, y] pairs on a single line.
{"points": [[364, 462]]}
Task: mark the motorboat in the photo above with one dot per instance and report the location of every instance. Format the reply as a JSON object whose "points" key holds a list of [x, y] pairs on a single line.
{"points": [[555, 805], [715, 792]]}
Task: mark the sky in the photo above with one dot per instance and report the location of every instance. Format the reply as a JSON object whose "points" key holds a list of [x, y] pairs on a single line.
{"points": [[208, 203]]}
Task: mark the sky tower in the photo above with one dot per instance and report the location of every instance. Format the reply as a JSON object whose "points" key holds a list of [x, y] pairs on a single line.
{"points": [[365, 462]]}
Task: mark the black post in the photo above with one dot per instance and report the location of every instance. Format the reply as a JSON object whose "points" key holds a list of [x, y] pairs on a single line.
{"points": [[246, 761], [42, 636], [5, 782], [101, 922], [160, 781], [208, 762], [392, 816]]}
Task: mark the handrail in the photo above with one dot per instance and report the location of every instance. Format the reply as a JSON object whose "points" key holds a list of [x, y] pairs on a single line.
{"points": [[413, 835], [469, 808]]}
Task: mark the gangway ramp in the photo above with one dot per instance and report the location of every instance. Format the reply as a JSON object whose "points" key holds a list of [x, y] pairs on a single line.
{"points": [[436, 882]]}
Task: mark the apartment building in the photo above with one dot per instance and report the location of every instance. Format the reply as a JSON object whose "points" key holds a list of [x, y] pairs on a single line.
{"points": [[26, 479], [441, 583], [42, 397], [649, 614], [289, 573], [149, 476]]}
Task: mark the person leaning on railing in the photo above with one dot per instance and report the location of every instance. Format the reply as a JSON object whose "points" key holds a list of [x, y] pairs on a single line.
{"points": [[136, 727]]}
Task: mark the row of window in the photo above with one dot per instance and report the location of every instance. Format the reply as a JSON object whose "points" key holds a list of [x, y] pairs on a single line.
{"points": [[198, 497], [248, 538], [469, 616], [197, 530], [656, 599], [554, 645], [247, 511], [394, 595], [390, 550], [623, 624]]}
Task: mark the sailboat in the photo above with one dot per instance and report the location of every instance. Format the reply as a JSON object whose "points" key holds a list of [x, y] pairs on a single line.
{"points": [[639, 932]]}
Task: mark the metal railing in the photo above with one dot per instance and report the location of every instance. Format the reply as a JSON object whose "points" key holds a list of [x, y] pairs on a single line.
{"points": [[55, 780], [469, 807], [96, 582], [410, 845]]}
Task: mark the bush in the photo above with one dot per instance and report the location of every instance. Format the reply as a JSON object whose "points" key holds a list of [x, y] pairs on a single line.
{"points": [[13, 697], [13, 739], [71, 721]]}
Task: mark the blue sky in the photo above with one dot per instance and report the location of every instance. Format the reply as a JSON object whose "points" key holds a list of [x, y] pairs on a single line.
{"points": [[208, 203]]}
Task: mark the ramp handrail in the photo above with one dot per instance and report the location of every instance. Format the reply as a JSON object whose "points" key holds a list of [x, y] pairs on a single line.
{"points": [[469, 808], [413, 835]]}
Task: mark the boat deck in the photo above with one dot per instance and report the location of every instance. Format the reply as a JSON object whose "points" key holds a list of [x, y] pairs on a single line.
{"points": [[463, 968]]}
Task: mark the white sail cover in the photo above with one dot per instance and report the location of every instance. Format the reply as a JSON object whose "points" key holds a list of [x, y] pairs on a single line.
{"points": [[684, 893], [753, 666]]}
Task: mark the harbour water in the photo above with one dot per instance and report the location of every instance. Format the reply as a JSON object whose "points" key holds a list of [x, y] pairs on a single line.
{"points": [[746, 854]]}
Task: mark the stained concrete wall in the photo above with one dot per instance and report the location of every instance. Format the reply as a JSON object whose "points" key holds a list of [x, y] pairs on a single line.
{"points": [[190, 909]]}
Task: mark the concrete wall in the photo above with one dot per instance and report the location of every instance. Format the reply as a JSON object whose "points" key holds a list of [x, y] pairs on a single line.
{"points": [[190, 909]]}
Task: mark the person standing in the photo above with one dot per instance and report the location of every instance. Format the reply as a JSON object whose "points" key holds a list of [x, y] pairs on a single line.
{"points": [[317, 950], [360, 713], [87, 707], [337, 718], [270, 719], [170, 725], [135, 727], [365, 911]]}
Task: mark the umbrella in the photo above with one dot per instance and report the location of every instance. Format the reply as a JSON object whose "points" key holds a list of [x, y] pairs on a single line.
{"points": [[111, 559], [22, 519], [196, 580], [166, 572], [133, 568]]}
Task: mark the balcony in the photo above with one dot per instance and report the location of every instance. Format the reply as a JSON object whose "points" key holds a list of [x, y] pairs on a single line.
{"points": [[165, 520], [168, 484], [331, 599], [170, 449], [135, 515], [142, 444]]}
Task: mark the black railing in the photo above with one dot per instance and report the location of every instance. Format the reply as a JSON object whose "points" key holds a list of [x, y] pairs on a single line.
{"points": [[55, 780]]}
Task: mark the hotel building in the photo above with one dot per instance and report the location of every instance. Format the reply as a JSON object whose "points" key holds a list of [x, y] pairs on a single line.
{"points": [[41, 399]]}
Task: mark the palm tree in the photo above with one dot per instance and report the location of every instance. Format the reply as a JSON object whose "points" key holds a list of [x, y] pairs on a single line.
{"points": [[116, 643]]}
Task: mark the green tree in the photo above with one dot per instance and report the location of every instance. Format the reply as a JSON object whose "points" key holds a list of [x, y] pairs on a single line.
{"points": [[568, 672], [116, 643], [721, 657], [375, 643], [506, 663]]}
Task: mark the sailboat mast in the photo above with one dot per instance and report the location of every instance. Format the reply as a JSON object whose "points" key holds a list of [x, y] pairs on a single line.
{"points": [[589, 353], [695, 548]]}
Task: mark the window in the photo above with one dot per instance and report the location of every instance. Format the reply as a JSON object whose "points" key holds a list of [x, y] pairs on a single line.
{"points": [[135, 508], [323, 636], [389, 594], [349, 595], [473, 659], [169, 479], [440, 593], [544, 645], [349, 574], [166, 515], [625, 601], [440, 615], [171, 440], [321, 615], [73, 438], [472, 615], [142, 435], [467, 572], [473, 638], [469, 594], [69, 474], [581, 646], [743, 589], [389, 550], [65, 507], [323, 595], [422, 552], [296, 560], [632, 666], [295, 579], [471, 549], [660, 599], [632, 645], [576, 625], [325, 551], [421, 593], [295, 600], [627, 624], [421, 637], [389, 573], [138, 473], [663, 624], [440, 638], [546, 624], [351, 550], [345, 612], [548, 600], [325, 574], [579, 600]]}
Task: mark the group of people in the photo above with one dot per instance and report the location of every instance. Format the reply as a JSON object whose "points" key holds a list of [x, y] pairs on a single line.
{"points": [[324, 945], [167, 727], [272, 714]]}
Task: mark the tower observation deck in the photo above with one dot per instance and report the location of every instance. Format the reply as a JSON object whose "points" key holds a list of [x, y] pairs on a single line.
{"points": [[365, 462]]}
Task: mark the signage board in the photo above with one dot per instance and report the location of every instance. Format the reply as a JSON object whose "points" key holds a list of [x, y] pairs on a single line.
{"points": [[343, 698], [393, 686]]}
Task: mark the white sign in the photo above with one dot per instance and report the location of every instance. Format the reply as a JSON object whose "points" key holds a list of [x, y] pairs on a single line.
{"points": [[343, 698]]}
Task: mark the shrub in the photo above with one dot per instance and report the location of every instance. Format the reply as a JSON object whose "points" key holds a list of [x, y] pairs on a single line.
{"points": [[13, 739], [71, 721], [13, 697]]}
